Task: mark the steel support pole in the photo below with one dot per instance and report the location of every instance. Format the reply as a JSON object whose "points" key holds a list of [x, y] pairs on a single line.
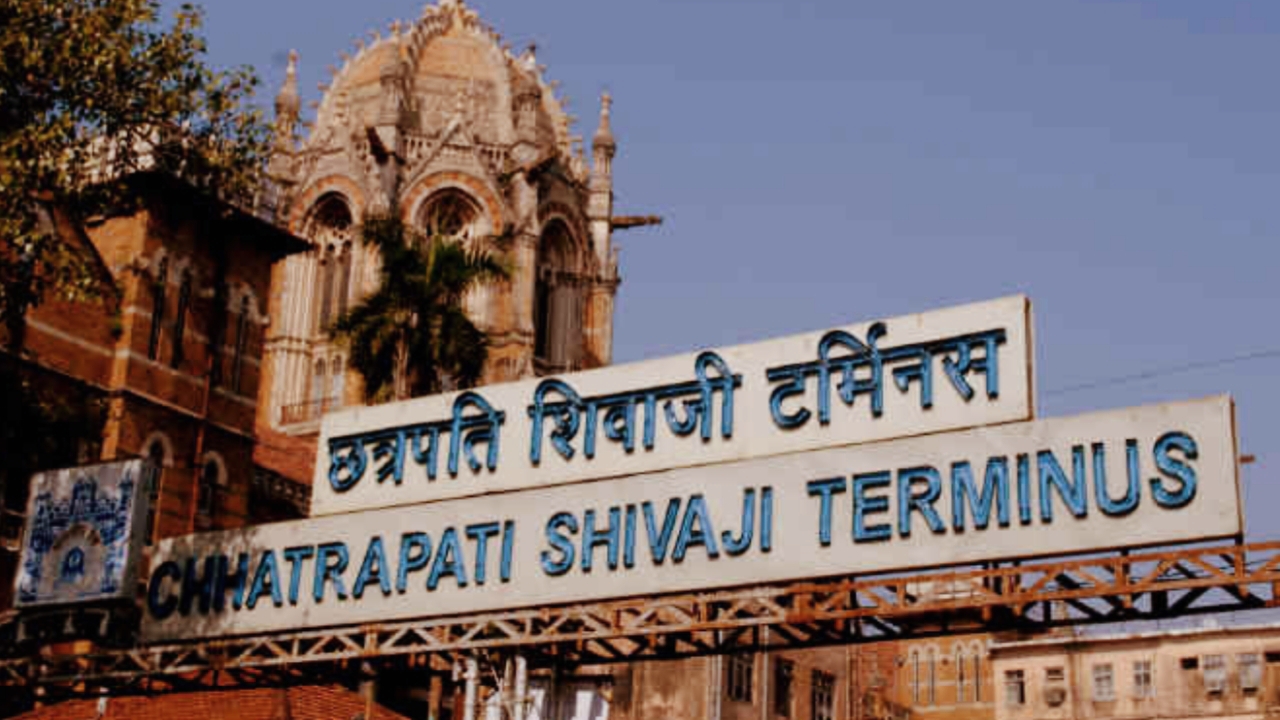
{"points": [[472, 678], [522, 687]]}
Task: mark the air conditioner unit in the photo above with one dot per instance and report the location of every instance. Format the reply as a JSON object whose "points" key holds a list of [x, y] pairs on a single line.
{"points": [[1055, 696]]}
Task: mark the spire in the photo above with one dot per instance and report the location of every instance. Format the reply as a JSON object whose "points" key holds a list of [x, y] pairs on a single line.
{"points": [[603, 139], [288, 103]]}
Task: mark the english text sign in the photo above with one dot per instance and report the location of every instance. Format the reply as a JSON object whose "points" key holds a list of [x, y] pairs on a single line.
{"points": [[960, 367], [1150, 475]]}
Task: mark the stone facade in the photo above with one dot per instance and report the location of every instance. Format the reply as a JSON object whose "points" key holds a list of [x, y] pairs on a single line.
{"points": [[439, 119], [1207, 672], [173, 351]]}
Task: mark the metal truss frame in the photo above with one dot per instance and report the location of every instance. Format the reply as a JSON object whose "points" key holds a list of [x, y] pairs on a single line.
{"points": [[1027, 595]]}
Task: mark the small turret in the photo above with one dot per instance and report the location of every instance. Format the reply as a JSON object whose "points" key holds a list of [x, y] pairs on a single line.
{"points": [[288, 104], [600, 203]]}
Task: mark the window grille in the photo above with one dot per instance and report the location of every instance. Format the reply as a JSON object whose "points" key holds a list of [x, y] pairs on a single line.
{"points": [[1015, 688], [1215, 673], [1104, 683], [739, 679], [783, 676], [1142, 680], [823, 698], [1250, 671]]}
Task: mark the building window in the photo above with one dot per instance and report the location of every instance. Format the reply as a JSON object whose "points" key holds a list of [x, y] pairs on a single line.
{"points": [[1054, 675], [1250, 667], [933, 676], [823, 697], [157, 309], [1215, 673], [317, 385], [330, 229], [155, 452], [977, 675], [1104, 683], [207, 490], [557, 305], [1142, 685], [783, 677], [180, 320], [242, 339], [740, 678], [450, 215], [1015, 688], [915, 677], [961, 678], [336, 378]]}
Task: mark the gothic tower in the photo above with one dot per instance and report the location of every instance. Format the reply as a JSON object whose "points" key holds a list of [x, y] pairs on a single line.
{"points": [[441, 120]]}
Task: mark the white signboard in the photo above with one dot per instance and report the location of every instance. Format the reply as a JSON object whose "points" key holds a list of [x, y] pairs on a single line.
{"points": [[961, 367], [79, 542], [1140, 476]]}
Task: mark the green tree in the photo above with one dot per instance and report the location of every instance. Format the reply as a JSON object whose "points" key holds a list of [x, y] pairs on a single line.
{"points": [[411, 334], [91, 92]]}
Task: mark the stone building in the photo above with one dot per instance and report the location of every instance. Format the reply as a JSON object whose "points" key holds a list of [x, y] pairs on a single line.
{"points": [[1205, 672], [172, 351], [467, 141]]}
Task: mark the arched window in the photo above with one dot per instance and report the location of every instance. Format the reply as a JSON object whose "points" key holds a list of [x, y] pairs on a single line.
{"points": [[961, 676], [329, 227], [336, 378], [451, 215], [157, 450], [209, 482], [180, 320], [344, 278], [933, 677], [242, 338], [327, 263], [915, 677], [317, 385], [157, 309], [977, 674], [557, 306]]}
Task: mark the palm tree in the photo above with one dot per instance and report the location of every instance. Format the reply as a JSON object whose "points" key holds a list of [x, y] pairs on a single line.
{"points": [[411, 334]]}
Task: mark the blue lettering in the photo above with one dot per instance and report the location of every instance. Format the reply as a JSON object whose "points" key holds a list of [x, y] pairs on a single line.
{"points": [[658, 541], [695, 530], [739, 545], [1071, 491], [481, 534], [266, 579], [327, 571], [448, 561], [863, 506], [592, 536], [508, 545], [557, 526], [922, 503], [825, 490], [373, 569], [161, 609], [415, 550], [295, 556], [995, 490], [1106, 504], [1175, 469]]}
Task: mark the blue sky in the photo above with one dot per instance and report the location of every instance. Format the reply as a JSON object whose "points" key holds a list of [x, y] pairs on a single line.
{"points": [[820, 162]]}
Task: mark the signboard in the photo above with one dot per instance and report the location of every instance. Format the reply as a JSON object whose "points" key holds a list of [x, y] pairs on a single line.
{"points": [[955, 368], [79, 543], [1131, 477]]}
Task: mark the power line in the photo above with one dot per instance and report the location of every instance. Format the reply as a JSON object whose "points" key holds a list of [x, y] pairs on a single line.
{"points": [[1163, 372]]}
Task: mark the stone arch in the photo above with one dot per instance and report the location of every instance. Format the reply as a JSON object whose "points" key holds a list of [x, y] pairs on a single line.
{"points": [[158, 437], [211, 477], [330, 184], [424, 189], [559, 298], [452, 213], [330, 226]]}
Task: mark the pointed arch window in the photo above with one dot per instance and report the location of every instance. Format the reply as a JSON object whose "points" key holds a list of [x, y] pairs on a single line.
{"points": [[180, 320], [242, 339], [157, 309], [336, 380], [155, 452], [962, 684], [208, 483], [330, 227], [451, 215], [317, 384], [915, 677], [557, 303], [933, 677]]}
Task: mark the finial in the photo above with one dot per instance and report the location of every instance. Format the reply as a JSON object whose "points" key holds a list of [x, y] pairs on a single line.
{"points": [[604, 134], [287, 100]]}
